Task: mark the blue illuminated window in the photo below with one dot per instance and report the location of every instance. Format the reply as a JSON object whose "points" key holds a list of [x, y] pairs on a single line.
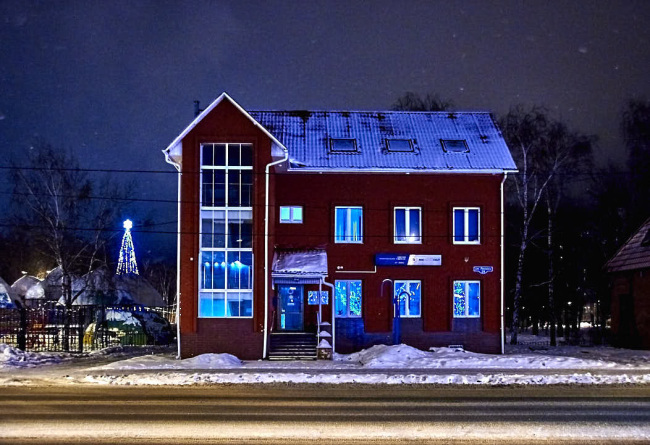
{"points": [[467, 299], [226, 231], [408, 225], [348, 298], [291, 214], [409, 293], [348, 225], [467, 227]]}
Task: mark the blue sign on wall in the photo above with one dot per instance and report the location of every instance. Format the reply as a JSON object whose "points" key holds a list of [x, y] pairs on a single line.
{"points": [[406, 259], [391, 259], [483, 269]]}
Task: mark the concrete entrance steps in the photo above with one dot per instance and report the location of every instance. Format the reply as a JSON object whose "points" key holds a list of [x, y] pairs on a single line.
{"points": [[292, 346]]}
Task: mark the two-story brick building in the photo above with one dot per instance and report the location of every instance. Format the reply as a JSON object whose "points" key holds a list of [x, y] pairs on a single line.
{"points": [[387, 225]]}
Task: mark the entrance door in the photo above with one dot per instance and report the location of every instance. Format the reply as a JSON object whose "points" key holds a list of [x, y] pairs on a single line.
{"points": [[290, 310]]}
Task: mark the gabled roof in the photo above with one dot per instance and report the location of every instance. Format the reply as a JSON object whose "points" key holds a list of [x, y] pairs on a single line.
{"points": [[307, 135], [174, 150], [634, 254]]}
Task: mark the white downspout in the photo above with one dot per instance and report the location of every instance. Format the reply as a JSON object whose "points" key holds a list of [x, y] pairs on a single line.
{"points": [[503, 334], [332, 302], [178, 259], [266, 248]]}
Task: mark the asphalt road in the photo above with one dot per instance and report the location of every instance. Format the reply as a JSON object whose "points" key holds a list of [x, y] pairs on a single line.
{"points": [[288, 414]]}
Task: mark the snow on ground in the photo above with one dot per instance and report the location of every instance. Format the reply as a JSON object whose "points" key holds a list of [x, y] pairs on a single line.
{"points": [[400, 364], [15, 358]]}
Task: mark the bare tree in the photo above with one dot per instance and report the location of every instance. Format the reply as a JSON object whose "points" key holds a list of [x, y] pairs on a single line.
{"points": [[57, 210], [162, 277], [540, 148], [414, 102], [635, 126], [568, 155]]}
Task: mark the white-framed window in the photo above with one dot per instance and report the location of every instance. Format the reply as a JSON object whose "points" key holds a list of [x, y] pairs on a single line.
{"points": [[408, 225], [226, 241], [409, 293], [347, 296], [348, 225], [467, 225], [291, 214], [467, 299]]}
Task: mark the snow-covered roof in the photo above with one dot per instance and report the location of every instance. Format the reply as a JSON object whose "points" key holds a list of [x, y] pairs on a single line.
{"points": [[634, 254], [308, 137], [426, 139], [311, 263], [102, 287], [7, 295], [23, 284]]}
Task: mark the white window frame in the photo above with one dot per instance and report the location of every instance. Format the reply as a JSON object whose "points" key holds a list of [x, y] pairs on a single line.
{"points": [[226, 208], [292, 218], [408, 315], [466, 225], [466, 283], [347, 306], [407, 221], [347, 239]]}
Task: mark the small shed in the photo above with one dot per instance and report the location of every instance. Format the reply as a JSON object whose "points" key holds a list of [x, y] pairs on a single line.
{"points": [[629, 272]]}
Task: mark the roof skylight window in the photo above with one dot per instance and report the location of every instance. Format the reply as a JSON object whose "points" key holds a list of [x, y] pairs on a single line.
{"points": [[399, 145], [454, 145], [341, 145]]}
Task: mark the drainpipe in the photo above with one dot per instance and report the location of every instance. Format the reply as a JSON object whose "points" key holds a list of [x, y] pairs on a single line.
{"points": [[332, 302], [266, 249], [503, 334], [178, 259]]}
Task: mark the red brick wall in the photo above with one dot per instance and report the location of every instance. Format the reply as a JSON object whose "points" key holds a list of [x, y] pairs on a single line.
{"points": [[224, 124], [437, 194]]}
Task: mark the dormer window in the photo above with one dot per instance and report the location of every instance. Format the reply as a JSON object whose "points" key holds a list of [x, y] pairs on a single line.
{"points": [[340, 145], [454, 146], [399, 145]]}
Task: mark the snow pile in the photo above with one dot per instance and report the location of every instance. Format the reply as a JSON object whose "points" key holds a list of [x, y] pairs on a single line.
{"points": [[383, 356], [203, 361], [496, 379], [11, 357], [406, 357]]}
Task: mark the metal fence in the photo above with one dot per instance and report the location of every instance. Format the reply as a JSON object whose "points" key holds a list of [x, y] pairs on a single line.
{"points": [[86, 328]]}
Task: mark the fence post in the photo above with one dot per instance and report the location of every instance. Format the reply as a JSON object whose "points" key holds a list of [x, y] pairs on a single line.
{"points": [[22, 329], [81, 322]]}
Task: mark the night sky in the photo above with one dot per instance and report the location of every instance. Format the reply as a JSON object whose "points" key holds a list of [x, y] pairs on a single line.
{"points": [[115, 81]]}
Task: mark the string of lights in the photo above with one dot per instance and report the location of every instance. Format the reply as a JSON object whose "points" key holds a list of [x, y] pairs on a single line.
{"points": [[126, 263]]}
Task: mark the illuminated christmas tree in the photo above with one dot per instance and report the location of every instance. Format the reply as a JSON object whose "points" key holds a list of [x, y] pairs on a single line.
{"points": [[126, 263]]}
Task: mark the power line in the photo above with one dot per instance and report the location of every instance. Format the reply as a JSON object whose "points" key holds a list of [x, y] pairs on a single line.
{"points": [[296, 172], [327, 235]]}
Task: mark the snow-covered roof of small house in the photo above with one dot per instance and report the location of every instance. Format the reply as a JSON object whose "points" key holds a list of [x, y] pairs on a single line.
{"points": [[376, 140], [23, 284], [299, 262], [102, 287], [634, 254], [8, 297]]}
